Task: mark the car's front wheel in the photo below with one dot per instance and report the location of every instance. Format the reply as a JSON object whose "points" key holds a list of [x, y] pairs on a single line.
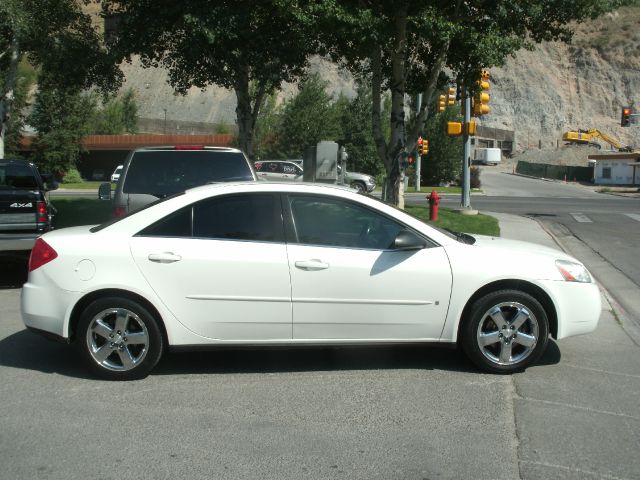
{"points": [[359, 186], [505, 332], [119, 339]]}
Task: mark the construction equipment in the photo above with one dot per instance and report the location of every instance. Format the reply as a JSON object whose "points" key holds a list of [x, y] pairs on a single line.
{"points": [[588, 137]]}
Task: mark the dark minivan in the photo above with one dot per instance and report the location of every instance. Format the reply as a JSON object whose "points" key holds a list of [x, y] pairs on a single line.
{"points": [[156, 172]]}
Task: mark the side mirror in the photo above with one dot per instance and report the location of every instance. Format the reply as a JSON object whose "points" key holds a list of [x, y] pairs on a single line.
{"points": [[50, 182], [104, 191], [407, 240]]}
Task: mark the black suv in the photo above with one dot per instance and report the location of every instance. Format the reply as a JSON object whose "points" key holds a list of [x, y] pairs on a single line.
{"points": [[25, 211]]}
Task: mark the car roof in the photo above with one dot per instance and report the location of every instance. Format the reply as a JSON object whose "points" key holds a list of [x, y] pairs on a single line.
{"points": [[187, 148]]}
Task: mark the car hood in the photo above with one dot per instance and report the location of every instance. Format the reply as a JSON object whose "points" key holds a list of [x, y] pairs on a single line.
{"points": [[518, 246]]}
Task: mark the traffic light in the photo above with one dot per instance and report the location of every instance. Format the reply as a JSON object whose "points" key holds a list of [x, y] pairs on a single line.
{"points": [[481, 99], [425, 147], [625, 119], [442, 103], [454, 129], [451, 96]]}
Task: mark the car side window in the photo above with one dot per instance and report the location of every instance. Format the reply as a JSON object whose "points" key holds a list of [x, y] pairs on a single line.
{"points": [[340, 223], [291, 169], [236, 217], [254, 217]]}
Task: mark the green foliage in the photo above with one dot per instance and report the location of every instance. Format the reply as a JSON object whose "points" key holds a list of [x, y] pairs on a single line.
{"points": [[118, 115], [222, 127], [61, 116], [306, 119], [443, 163], [357, 137], [72, 176], [25, 80]]}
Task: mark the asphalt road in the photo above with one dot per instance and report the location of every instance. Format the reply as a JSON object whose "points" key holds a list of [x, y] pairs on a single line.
{"points": [[360, 413]]}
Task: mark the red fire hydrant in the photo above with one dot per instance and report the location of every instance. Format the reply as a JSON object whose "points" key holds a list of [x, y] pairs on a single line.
{"points": [[434, 201]]}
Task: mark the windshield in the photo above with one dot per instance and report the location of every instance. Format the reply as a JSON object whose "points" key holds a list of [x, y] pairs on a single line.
{"points": [[17, 176], [165, 172]]}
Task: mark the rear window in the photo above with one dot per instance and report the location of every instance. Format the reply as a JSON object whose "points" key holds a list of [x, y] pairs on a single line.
{"points": [[165, 172], [17, 176]]}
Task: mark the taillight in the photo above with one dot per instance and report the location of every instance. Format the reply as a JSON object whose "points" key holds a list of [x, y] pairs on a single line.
{"points": [[41, 254], [119, 212], [41, 209]]}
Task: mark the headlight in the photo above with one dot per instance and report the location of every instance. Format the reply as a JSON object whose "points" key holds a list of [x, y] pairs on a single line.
{"points": [[573, 272]]}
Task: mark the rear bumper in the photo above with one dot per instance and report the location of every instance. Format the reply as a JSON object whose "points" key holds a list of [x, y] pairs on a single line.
{"points": [[45, 309], [18, 241]]}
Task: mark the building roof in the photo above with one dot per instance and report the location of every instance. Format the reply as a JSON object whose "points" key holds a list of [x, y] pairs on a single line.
{"points": [[130, 142], [616, 156]]}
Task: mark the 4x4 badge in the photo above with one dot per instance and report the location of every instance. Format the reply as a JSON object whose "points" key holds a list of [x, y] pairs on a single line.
{"points": [[21, 205]]}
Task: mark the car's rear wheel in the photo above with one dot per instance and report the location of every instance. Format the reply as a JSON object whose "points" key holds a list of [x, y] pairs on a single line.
{"points": [[119, 339], [506, 331]]}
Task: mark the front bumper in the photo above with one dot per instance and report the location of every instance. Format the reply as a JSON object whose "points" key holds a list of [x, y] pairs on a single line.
{"points": [[578, 306]]}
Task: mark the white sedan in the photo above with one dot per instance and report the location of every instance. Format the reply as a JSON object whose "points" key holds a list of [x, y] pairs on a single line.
{"points": [[266, 264]]}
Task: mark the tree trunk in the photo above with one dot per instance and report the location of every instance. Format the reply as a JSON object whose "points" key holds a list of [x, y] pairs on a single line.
{"points": [[8, 90], [244, 114], [396, 152]]}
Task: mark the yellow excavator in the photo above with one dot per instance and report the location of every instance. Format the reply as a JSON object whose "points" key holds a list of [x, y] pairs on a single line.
{"points": [[588, 137]]}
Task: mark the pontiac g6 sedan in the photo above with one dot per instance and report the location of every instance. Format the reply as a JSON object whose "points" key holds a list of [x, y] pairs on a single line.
{"points": [[267, 264]]}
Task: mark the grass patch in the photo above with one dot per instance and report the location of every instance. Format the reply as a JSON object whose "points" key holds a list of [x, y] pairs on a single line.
{"points": [[80, 211], [453, 220], [84, 185]]}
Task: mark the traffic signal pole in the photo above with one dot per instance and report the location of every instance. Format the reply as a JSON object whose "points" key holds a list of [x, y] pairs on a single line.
{"points": [[418, 154], [465, 201]]}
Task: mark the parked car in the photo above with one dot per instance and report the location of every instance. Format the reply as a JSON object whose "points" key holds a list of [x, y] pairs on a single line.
{"points": [[291, 170], [275, 264], [25, 211], [156, 172], [360, 181], [278, 170], [116, 173]]}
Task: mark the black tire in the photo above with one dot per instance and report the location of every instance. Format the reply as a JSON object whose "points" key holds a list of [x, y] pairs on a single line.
{"points": [[359, 186], [505, 331], [118, 339]]}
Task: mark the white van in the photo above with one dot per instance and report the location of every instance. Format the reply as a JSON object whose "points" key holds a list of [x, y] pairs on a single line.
{"points": [[488, 156]]}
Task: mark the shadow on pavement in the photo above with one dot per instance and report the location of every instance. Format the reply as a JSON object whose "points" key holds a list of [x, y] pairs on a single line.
{"points": [[26, 350], [13, 269]]}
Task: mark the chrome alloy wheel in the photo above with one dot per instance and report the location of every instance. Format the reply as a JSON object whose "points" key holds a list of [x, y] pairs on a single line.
{"points": [[507, 333], [117, 339]]}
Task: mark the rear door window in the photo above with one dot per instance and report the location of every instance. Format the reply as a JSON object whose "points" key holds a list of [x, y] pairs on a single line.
{"points": [[255, 217], [17, 176]]}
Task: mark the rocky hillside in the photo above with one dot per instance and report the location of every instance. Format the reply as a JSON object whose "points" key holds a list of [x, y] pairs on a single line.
{"points": [[539, 94]]}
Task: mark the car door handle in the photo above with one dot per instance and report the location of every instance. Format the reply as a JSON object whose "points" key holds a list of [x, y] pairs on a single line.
{"points": [[313, 264], [166, 257]]}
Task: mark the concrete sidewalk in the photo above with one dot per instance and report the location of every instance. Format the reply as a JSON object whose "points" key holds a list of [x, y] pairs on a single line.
{"points": [[577, 413]]}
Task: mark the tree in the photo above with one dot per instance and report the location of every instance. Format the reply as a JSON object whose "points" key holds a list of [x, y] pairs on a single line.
{"points": [[62, 117], [231, 43], [405, 46], [118, 115], [58, 38], [442, 163], [306, 119], [357, 136]]}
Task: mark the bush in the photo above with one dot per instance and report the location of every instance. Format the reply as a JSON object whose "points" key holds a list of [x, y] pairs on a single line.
{"points": [[72, 176], [474, 177]]}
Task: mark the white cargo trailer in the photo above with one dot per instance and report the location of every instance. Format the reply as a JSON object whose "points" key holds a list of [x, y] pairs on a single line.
{"points": [[488, 156]]}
